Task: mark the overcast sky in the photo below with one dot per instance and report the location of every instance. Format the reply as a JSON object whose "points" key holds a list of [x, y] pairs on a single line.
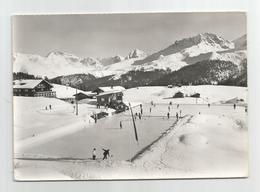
{"points": [[111, 34]]}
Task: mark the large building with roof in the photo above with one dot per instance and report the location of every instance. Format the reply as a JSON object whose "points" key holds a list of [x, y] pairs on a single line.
{"points": [[33, 88], [108, 89], [111, 97]]}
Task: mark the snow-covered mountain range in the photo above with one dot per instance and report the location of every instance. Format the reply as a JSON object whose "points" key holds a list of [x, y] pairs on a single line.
{"points": [[185, 52]]}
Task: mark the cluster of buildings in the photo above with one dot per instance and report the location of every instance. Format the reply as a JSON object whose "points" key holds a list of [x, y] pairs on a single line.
{"points": [[111, 96]]}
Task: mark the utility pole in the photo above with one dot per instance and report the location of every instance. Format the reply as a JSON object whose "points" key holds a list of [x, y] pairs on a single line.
{"points": [[76, 101], [136, 136]]}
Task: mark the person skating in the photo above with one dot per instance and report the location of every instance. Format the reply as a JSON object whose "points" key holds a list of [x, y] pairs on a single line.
{"points": [[94, 154], [105, 153], [177, 116]]}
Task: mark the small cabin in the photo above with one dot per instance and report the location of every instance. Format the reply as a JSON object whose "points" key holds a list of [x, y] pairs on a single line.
{"points": [[33, 88], [178, 95], [195, 95], [84, 95]]}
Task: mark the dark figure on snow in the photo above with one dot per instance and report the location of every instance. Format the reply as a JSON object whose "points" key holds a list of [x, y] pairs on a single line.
{"points": [[177, 116], [170, 103], [169, 108], [168, 115], [120, 124], [150, 109], [50, 106], [180, 113], [151, 102], [178, 105], [140, 117], [234, 106], [94, 154], [141, 110], [95, 117], [105, 153], [208, 105], [46, 108]]}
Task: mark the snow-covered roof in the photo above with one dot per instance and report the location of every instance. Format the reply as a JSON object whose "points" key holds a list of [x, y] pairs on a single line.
{"points": [[63, 91], [112, 88], [108, 92], [27, 83]]}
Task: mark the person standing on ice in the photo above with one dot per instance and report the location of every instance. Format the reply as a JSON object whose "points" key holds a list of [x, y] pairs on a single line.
{"points": [[234, 106], [95, 117], [178, 106], [177, 116], [105, 153], [169, 108], [120, 124], [208, 105], [140, 117], [168, 115], [180, 113], [94, 154], [50, 107]]}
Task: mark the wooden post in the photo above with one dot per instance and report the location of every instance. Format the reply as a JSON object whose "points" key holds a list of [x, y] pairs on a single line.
{"points": [[76, 101]]}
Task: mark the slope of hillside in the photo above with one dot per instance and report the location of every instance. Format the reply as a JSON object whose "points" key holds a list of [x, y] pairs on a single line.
{"points": [[191, 47], [74, 80], [241, 43], [205, 72]]}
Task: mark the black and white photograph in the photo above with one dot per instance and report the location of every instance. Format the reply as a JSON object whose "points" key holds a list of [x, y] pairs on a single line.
{"points": [[124, 96]]}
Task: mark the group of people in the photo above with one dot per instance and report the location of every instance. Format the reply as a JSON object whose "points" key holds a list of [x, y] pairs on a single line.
{"points": [[46, 108], [105, 154]]}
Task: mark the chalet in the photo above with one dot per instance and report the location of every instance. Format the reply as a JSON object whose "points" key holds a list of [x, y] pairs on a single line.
{"points": [[110, 98], [108, 89], [33, 88]]}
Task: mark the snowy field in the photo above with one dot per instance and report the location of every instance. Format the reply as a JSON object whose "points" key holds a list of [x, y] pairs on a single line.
{"points": [[205, 142]]}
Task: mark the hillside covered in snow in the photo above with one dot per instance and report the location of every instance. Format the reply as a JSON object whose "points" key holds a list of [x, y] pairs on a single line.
{"points": [[139, 68]]}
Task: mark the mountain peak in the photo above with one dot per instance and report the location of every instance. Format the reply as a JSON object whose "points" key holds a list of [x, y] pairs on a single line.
{"points": [[208, 39], [136, 53]]}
